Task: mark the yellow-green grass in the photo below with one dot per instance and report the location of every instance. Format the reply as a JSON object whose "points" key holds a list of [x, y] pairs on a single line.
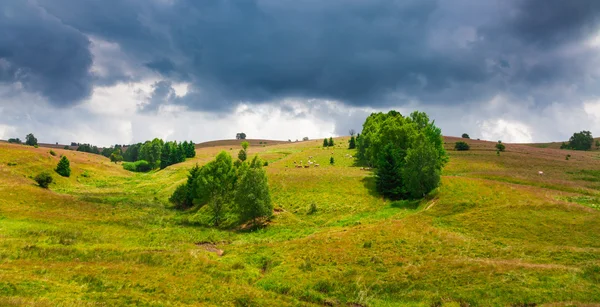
{"points": [[495, 233]]}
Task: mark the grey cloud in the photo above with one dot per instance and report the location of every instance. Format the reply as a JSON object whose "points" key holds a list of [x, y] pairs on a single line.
{"points": [[363, 53], [43, 54]]}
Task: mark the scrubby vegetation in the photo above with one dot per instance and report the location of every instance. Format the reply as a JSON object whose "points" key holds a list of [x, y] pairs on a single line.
{"points": [[31, 140], [43, 179], [461, 146], [141, 166], [14, 141]]}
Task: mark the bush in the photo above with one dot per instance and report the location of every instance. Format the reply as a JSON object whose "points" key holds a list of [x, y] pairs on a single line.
{"points": [[52, 152], [141, 166], [331, 161], [44, 179], [266, 163], [460, 146], [312, 209], [67, 147], [465, 136], [64, 167]]}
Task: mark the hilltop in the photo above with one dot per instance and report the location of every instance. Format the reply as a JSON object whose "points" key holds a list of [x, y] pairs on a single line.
{"points": [[495, 233]]}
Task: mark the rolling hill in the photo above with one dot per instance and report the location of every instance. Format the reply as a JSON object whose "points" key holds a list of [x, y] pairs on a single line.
{"points": [[495, 233]]}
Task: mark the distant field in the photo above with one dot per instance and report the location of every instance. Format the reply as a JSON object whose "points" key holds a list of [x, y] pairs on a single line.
{"points": [[496, 233], [234, 142]]}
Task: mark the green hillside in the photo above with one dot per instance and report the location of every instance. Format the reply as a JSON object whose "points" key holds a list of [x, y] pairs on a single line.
{"points": [[495, 233]]}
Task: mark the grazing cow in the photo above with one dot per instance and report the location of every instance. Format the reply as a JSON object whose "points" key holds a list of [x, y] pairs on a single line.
{"points": [[298, 166], [306, 166], [362, 168], [316, 165], [540, 173], [294, 162]]}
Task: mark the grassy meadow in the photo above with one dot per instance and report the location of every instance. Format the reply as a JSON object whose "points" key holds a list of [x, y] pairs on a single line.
{"points": [[494, 234]]}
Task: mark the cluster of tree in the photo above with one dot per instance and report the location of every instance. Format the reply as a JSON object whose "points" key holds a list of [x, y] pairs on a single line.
{"points": [[408, 153], [156, 153], [225, 187], [15, 141], [580, 141], [328, 143], [240, 136], [88, 148], [352, 142], [465, 136]]}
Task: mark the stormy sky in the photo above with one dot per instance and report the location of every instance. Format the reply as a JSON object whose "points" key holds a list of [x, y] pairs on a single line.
{"points": [[123, 71]]}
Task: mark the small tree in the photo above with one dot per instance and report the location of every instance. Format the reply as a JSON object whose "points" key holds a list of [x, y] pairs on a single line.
{"points": [[240, 136], [325, 143], [44, 179], [116, 156], [330, 144], [14, 141], [30, 140], [352, 143], [243, 154], [252, 196], [215, 185], [500, 146], [352, 132], [64, 167], [465, 136], [331, 161], [460, 146]]}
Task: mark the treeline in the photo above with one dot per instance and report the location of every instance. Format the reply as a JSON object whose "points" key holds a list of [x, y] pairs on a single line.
{"points": [[581, 141], [157, 154], [408, 153], [226, 188]]}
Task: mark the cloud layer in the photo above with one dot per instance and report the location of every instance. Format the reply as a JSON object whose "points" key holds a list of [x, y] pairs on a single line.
{"points": [[362, 55]]}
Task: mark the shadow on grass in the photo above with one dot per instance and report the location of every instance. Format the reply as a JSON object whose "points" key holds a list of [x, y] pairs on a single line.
{"points": [[370, 185], [410, 204]]}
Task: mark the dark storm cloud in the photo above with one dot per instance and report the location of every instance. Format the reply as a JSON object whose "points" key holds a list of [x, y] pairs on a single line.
{"points": [[373, 53], [43, 54]]}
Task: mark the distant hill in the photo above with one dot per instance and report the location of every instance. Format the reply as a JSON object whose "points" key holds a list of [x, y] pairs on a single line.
{"points": [[236, 142]]}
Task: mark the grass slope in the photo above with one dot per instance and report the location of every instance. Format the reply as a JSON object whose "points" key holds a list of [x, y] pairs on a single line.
{"points": [[494, 233]]}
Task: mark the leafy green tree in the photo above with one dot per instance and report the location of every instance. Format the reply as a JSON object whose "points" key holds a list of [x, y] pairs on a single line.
{"points": [[107, 151], [352, 143], [132, 152], [465, 136], [116, 156], [30, 140], [388, 175], [166, 155], [581, 141], [252, 197], [385, 142], [215, 185], [43, 179], [240, 136], [461, 146], [330, 143], [422, 169], [64, 167], [151, 152], [14, 141], [325, 143]]}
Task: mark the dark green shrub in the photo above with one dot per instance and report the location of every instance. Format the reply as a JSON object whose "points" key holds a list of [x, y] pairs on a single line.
{"points": [[52, 152], [180, 196], [461, 146], [331, 161], [500, 146], [266, 163], [465, 136], [44, 179], [141, 166], [312, 209], [64, 167]]}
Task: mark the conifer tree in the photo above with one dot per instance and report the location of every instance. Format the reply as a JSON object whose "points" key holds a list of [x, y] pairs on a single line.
{"points": [[64, 167]]}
